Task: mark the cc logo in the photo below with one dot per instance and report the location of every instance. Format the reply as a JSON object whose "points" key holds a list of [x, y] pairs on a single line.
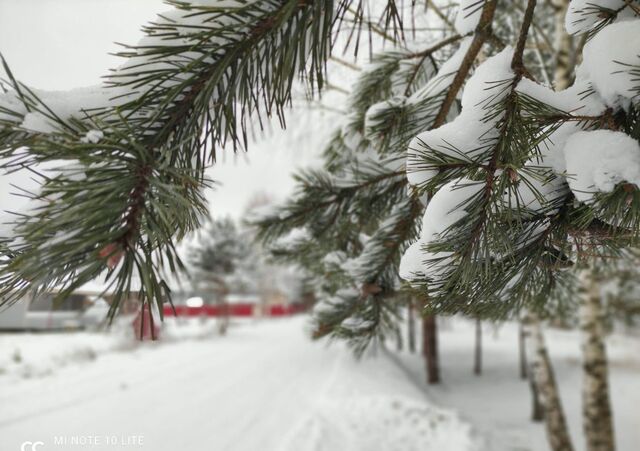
{"points": [[30, 446]]}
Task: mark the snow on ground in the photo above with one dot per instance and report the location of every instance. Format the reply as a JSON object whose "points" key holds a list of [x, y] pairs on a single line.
{"points": [[498, 403], [265, 386], [26, 355]]}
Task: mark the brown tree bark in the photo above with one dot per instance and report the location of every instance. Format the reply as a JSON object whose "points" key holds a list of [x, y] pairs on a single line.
{"points": [[556, 425], [430, 348], [537, 409], [522, 350], [563, 48], [477, 361], [596, 408], [399, 341], [411, 327]]}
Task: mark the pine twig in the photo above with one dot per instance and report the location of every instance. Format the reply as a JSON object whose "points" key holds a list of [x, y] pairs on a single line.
{"points": [[482, 32]]}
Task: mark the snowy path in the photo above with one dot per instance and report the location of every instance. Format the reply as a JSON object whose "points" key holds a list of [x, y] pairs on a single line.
{"points": [[264, 387]]}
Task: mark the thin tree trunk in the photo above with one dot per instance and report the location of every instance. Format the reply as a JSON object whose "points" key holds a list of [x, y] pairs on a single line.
{"points": [[399, 343], [596, 409], [522, 350], [537, 409], [411, 328], [223, 325], [563, 47], [556, 425], [477, 362], [430, 348]]}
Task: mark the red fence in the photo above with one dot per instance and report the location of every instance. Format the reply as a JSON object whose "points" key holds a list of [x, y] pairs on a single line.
{"points": [[210, 310], [236, 309], [284, 310]]}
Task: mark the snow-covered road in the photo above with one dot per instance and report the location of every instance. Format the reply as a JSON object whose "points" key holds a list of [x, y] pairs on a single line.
{"points": [[264, 387]]}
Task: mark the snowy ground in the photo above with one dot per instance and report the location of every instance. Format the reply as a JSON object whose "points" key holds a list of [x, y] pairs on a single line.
{"points": [[263, 387], [26, 355], [267, 387], [498, 403]]}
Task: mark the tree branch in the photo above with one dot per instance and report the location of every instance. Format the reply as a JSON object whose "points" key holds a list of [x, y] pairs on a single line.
{"points": [[483, 30]]}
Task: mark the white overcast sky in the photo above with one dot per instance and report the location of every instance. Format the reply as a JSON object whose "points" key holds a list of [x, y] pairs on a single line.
{"points": [[62, 44]]}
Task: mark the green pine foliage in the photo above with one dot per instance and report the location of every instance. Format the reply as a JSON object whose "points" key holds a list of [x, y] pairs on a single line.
{"points": [[502, 255], [128, 158], [521, 234]]}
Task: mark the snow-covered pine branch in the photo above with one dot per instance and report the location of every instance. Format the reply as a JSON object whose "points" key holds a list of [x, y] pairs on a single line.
{"points": [[372, 128], [121, 166], [550, 176]]}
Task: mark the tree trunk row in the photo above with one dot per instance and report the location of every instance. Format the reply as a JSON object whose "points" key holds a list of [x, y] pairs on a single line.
{"points": [[547, 405]]}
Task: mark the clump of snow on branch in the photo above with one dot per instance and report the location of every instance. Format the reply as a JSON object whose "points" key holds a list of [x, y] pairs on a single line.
{"points": [[609, 59], [468, 16], [577, 99], [446, 208], [599, 160], [584, 15], [92, 136], [355, 324], [465, 136], [51, 106], [293, 238], [447, 71]]}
